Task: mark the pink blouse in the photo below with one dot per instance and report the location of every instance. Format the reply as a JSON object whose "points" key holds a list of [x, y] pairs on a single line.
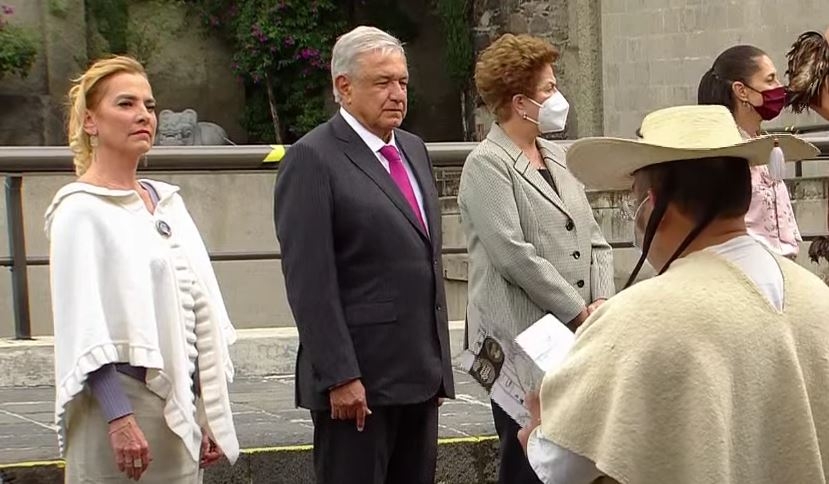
{"points": [[770, 218]]}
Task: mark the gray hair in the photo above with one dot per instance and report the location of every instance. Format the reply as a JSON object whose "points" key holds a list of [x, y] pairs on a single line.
{"points": [[352, 45]]}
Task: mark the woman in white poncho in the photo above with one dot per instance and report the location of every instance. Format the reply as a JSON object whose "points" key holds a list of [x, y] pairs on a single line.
{"points": [[141, 332]]}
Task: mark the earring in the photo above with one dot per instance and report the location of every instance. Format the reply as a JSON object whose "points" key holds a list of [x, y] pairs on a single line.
{"points": [[93, 140], [523, 115], [144, 161]]}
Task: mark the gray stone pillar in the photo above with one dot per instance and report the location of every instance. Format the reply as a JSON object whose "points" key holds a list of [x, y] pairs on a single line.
{"points": [[574, 27], [585, 66]]}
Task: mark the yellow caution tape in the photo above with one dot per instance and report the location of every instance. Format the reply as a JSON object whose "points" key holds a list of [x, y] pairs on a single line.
{"points": [[45, 463], [276, 154], [304, 448], [258, 450]]}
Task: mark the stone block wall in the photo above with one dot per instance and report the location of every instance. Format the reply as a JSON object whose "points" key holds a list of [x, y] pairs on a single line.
{"points": [[234, 214], [654, 52], [573, 26], [188, 69], [31, 108]]}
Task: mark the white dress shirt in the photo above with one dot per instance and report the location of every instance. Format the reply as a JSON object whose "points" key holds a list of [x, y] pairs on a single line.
{"points": [[556, 465], [374, 143]]}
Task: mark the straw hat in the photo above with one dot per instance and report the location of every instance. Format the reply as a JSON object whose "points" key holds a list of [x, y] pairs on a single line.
{"points": [[677, 133]]}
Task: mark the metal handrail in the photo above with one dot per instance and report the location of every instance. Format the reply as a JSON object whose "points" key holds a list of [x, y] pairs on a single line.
{"points": [[238, 256], [19, 161], [802, 129], [56, 159]]}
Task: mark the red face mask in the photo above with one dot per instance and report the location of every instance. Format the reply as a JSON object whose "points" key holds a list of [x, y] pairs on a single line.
{"points": [[773, 102]]}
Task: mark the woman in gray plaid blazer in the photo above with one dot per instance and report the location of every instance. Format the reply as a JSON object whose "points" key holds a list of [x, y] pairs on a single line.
{"points": [[534, 245]]}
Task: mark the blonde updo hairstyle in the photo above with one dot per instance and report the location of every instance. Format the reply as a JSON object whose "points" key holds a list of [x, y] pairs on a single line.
{"points": [[511, 66], [84, 95]]}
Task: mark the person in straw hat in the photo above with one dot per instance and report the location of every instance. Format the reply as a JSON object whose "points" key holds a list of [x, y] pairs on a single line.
{"points": [[715, 370]]}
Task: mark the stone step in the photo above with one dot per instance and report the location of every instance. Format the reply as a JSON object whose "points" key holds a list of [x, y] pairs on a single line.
{"points": [[260, 352]]}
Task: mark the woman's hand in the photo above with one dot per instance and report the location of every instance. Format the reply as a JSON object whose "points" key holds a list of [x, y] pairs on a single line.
{"points": [[578, 320], [132, 452], [210, 452], [593, 307]]}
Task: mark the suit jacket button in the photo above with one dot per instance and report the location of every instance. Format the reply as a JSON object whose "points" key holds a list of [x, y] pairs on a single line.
{"points": [[580, 283], [569, 225], [576, 255], [439, 307]]}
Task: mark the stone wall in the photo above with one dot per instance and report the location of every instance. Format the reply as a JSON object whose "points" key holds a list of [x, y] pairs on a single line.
{"points": [[31, 109], [234, 214], [190, 67], [655, 51], [187, 68], [573, 26]]}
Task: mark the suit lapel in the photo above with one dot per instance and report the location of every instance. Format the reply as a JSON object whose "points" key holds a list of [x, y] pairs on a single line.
{"points": [[524, 167], [359, 153], [555, 159]]}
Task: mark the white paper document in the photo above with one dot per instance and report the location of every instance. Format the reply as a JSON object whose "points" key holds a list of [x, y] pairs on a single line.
{"points": [[547, 342], [510, 369]]}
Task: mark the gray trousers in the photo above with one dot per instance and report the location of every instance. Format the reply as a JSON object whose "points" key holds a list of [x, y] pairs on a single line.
{"points": [[90, 459]]}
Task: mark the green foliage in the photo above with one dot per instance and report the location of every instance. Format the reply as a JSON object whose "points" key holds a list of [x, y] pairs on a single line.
{"points": [[256, 117], [121, 27], [58, 8], [111, 20], [387, 15], [147, 27], [287, 44], [18, 46], [458, 54], [284, 43]]}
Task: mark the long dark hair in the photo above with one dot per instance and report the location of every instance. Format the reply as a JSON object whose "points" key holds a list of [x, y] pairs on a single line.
{"points": [[737, 63], [702, 189]]}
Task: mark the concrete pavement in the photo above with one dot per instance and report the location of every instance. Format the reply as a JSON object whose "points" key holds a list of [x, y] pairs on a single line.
{"points": [[274, 434]]}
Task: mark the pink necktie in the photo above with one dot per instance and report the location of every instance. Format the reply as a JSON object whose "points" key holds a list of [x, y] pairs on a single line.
{"points": [[398, 174]]}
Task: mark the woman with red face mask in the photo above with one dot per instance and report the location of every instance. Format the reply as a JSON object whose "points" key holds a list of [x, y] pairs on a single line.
{"points": [[744, 79]]}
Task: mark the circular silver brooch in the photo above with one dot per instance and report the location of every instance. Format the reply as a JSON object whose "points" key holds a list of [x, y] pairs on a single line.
{"points": [[163, 228]]}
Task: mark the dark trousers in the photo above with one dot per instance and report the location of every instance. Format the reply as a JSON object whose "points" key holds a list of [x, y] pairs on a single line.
{"points": [[514, 468], [397, 446]]}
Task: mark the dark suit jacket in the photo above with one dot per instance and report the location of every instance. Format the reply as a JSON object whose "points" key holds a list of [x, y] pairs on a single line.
{"points": [[364, 281]]}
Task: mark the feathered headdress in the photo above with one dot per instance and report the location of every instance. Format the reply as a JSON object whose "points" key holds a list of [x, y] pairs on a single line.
{"points": [[808, 69]]}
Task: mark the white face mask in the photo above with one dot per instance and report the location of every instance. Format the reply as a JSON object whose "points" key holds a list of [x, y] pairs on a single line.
{"points": [[552, 114], [638, 235]]}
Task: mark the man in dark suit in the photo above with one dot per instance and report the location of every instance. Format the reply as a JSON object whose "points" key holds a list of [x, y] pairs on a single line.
{"points": [[358, 221]]}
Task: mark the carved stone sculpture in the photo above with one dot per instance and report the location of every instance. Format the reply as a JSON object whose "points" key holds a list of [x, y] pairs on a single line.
{"points": [[184, 129]]}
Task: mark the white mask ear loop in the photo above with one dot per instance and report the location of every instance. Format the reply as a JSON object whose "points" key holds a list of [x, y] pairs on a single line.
{"points": [[636, 242], [527, 117]]}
